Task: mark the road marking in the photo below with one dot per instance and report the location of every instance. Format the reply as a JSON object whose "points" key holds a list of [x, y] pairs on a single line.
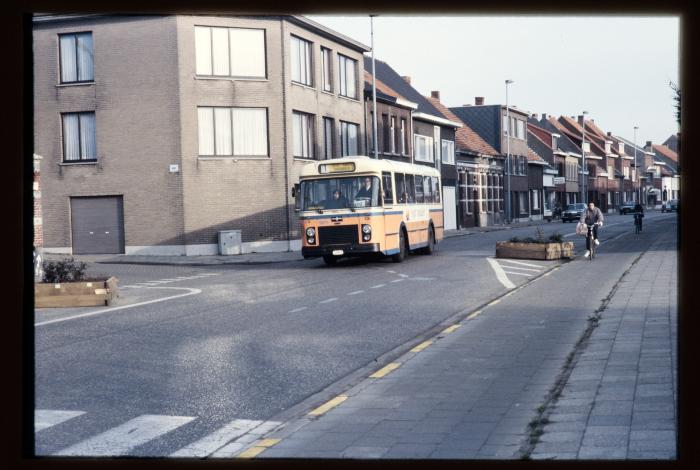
{"points": [[231, 449], [523, 264], [356, 292], [44, 419], [392, 272], [519, 274], [377, 286], [523, 269], [494, 302], [474, 315], [403, 275], [219, 438], [332, 299], [385, 370], [500, 275], [398, 280], [100, 312], [422, 279], [422, 346], [122, 439], [450, 329], [328, 405], [298, 309], [259, 447]]}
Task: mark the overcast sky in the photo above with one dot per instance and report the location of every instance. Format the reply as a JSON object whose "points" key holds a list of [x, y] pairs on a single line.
{"points": [[616, 68]]}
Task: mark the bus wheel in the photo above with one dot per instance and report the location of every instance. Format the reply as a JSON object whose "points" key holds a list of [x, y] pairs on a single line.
{"points": [[428, 250], [403, 248], [330, 260]]}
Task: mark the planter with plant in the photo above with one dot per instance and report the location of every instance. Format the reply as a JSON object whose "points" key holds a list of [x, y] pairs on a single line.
{"points": [[66, 285], [538, 247]]}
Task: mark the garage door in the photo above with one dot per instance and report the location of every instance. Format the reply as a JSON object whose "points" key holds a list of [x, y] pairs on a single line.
{"points": [[449, 208], [97, 225]]}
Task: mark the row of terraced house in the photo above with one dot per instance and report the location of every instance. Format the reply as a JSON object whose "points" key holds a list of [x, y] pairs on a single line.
{"points": [[153, 134]]}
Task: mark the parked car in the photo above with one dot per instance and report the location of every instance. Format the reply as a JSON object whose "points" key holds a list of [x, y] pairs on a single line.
{"points": [[670, 206], [627, 207], [573, 212]]}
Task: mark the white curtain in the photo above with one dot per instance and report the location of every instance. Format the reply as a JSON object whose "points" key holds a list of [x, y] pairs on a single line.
{"points": [[221, 54], [88, 145], [202, 45], [301, 61], [350, 78], [249, 131], [68, 59], [85, 57], [206, 130], [247, 52], [222, 131], [352, 139], [71, 137]]}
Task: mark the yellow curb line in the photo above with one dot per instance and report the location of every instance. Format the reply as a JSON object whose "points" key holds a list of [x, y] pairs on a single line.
{"points": [[257, 449], [422, 346], [328, 405], [474, 315], [385, 370], [450, 329]]}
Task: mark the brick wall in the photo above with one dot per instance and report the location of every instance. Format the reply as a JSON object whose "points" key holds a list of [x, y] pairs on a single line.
{"points": [[38, 231]]}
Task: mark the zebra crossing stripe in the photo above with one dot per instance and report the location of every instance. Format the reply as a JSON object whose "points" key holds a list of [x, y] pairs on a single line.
{"points": [[219, 438], [233, 448], [44, 419], [518, 274], [521, 269], [523, 264], [122, 439]]}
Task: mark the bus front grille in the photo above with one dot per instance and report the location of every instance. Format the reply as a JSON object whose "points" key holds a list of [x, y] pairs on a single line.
{"points": [[337, 235]]}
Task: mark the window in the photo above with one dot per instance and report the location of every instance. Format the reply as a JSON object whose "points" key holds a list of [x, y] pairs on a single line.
{"points": [[386, 134], [327, 137], [448, 152], [370, 132], [232, 131], [326, 66], [554, 142], [520, 129], [79, 137], [420, 197], [388, 188], [489, 183], [393, 134], [348, 138], [522, 199], [535, 199], [401, 194], [229, 52], [611, 173], [423, 147], [76, 57], [436, 140], [428, 189], [505, 125], [301, 61], [404, 137], [436, 188], [411, 188], [347, 75], [484, 197], [303, 134], [626, 172]]}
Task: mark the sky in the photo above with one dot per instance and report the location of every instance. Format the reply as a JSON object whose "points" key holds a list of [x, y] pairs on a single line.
{"points": [[617, 68]]}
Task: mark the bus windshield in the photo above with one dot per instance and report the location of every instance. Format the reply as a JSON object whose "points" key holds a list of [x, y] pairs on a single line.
{"points": [[340, 193]]}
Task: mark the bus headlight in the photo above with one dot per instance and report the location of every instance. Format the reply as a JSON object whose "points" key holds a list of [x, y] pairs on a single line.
{"points": [[366, 232], [310, 232], [311, 241]]}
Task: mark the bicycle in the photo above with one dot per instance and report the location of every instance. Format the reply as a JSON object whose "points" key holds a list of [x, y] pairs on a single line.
{"points": [[590, 241], [638, 222]]}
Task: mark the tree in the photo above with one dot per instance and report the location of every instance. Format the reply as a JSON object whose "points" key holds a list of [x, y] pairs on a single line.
{"points": [[677, 99]]}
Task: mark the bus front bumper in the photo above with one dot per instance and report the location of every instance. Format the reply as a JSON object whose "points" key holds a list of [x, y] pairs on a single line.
{"points": [[333, 250]]}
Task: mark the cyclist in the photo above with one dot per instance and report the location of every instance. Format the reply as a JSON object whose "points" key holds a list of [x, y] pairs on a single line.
{"points": [[638, 214], [592, 216]]}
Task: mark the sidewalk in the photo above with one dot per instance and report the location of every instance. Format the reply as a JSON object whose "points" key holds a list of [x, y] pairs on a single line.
{"points": [[504, 384]]}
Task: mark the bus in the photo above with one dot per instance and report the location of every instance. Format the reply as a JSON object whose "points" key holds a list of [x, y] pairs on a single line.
{"points": [[358, 206]]}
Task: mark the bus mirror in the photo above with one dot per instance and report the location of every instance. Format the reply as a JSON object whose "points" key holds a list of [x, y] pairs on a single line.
{"points": [[295, 190]]}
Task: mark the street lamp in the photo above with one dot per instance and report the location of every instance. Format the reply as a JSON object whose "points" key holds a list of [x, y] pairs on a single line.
{"points": [[584, 176], [374, 92], [636, 168], [508, 165]]}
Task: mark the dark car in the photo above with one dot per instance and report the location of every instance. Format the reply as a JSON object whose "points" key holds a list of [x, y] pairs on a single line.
{"points": [[627, 207], [670, 206], [573, 212]]}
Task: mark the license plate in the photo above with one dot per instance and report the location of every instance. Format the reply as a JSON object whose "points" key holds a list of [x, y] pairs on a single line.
{"points": [[337, 252]]}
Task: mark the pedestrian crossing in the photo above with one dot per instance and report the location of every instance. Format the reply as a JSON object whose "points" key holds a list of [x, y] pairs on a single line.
{"points": [[121, 440], [167, 281]]}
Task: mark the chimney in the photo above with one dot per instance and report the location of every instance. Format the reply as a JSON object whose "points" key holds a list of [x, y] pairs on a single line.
{"points": [[544, 116], [435, 94], [536, 116], [609, 133], [580, 119], [407, 78], [479, 100], [648, 144]]}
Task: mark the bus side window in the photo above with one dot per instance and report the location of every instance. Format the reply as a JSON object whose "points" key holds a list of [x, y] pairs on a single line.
{"points": [[436, 188], [411, 188], [428, 189], [388, 188], [400, 188], [419, 189]]}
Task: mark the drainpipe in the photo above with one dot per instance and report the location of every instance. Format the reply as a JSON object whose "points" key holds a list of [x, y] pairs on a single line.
{"points": [[284, 130]]}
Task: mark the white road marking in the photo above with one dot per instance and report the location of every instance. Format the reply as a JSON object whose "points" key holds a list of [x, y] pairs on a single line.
{"points": [[236, 446], [377, 286], [521, 269], [398, 280], [298, 309], [122, 439], [521, 263], [219, 438], [403, 275], [519, 274], [332, 299], [100, 312], [392, 272], [356, 292], [421, 279], [44, 419], [500, 274]]}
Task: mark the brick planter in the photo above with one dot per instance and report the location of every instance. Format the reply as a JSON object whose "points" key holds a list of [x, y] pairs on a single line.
{"points": [[76, 294], [544, 251]]}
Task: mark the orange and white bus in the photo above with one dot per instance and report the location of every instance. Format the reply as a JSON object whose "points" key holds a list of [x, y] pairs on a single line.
{"points": [[356, 206]]}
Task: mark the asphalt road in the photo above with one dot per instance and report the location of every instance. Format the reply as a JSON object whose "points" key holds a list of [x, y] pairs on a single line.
{"points": [[250, 342]]}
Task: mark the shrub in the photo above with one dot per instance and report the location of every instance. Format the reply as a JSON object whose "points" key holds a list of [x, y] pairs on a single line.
{"points": [[66, 270], [556, 238]]}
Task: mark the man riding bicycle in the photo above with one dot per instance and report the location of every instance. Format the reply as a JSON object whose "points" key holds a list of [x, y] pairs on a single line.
{"points": [[638, 214], [592, 216]]}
